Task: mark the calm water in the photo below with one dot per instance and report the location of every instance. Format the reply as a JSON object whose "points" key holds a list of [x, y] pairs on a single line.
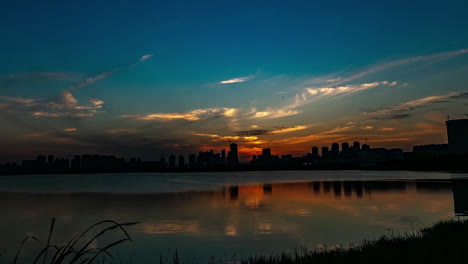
{"points": [[221, 214]]}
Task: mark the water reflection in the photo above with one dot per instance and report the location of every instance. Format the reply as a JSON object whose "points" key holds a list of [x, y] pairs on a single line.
{"points": [[242, 219]]}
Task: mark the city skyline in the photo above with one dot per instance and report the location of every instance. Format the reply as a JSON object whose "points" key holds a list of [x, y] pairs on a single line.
{"points": [[159, 78]]}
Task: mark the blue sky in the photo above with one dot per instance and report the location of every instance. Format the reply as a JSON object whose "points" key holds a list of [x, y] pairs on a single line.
{"points": [[319, 71]]}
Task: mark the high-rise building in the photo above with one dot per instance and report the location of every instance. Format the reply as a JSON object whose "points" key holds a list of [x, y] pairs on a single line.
{"points": [[324, 152], [192, 160], [223, 156], [356, 145], [315, 151], [233, 155], [457, 133], [344, 147], [335, 150], [50, 160], [181, 161], [172, 161], [266, 153]]}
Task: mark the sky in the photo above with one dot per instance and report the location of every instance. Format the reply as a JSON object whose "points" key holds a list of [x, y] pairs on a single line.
{"points": [[152, 78]]}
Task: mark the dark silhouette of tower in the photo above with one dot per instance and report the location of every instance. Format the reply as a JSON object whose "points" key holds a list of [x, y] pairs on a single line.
{"points": [[324, 152], [335, 150], [233, 155], [192, 159], [356, 145], [457, 133], [223, 156], [172, 161], [181, 161], [266, 153], [344, 147], [315, 151]]}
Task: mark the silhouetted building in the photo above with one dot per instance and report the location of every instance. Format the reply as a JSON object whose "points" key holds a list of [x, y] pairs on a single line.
{"points": [[457, 133], [76, 162], [335, 150], [233, 155], [431, 150], [315, 151], [324, 152], [50, 160], [356, 146], [181, 161], [266, 153], [223, 156], [172, 161], [344, 147], [192, 158]]}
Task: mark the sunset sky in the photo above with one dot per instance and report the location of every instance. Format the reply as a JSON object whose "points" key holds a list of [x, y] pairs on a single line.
{"points": [[151, 78]]}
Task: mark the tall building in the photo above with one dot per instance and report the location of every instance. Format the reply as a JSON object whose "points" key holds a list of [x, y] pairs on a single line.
{"points": [[223, 156], [233, 155], [315, 151], [192, 160], [172, 161], [356, 145], [457, 133], [181, 161], [266, 153], [335, 150], [344, 147], [324, 152]]}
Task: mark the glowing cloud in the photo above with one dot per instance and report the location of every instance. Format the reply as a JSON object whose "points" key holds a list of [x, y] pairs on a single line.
{"points": [[194, 115], [288, 129], [145, 57], [236, 80]]}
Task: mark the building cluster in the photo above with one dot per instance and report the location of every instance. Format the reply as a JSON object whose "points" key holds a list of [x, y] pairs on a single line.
{"points": [[347, 154], [435, 156]]}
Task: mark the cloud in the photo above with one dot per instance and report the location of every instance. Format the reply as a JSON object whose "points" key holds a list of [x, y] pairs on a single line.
{"points": [[400, 111], [92, 80], [312, 94], [64, 105], [125, 131], [43, 76], [236, 80], [193, 115], [282, 130], [271, 113], [393, 117], [253, 132], [70, 129], [145, 57]]}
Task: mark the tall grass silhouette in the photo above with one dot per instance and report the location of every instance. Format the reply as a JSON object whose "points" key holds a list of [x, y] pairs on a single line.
{"points": [[79, 249]]}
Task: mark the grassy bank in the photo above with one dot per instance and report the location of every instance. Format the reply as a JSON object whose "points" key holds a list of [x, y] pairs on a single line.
{"points": [[445, 242]]}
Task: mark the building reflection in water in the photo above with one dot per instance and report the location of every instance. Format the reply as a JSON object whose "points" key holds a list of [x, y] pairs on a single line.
{"points": [[460, 197], [245, 218]]}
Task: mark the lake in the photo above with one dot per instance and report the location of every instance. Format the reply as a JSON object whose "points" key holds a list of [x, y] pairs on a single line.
{"points": [[226, 213]]}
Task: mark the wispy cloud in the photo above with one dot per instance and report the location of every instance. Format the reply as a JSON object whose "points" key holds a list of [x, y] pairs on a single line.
{"points": [[282, 130], [43, 76], [401, 111], [312, 94], [271, 113], [236, 80], [193, 115], [71, 129], [145, 57], [92, 80], [64, 105]]}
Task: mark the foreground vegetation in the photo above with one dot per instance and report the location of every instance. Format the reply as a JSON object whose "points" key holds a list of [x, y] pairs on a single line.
{"points": [[445, 242]]}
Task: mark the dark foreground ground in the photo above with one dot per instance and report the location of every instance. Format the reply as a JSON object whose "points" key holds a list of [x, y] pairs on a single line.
{"points": [[445, 242]]}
